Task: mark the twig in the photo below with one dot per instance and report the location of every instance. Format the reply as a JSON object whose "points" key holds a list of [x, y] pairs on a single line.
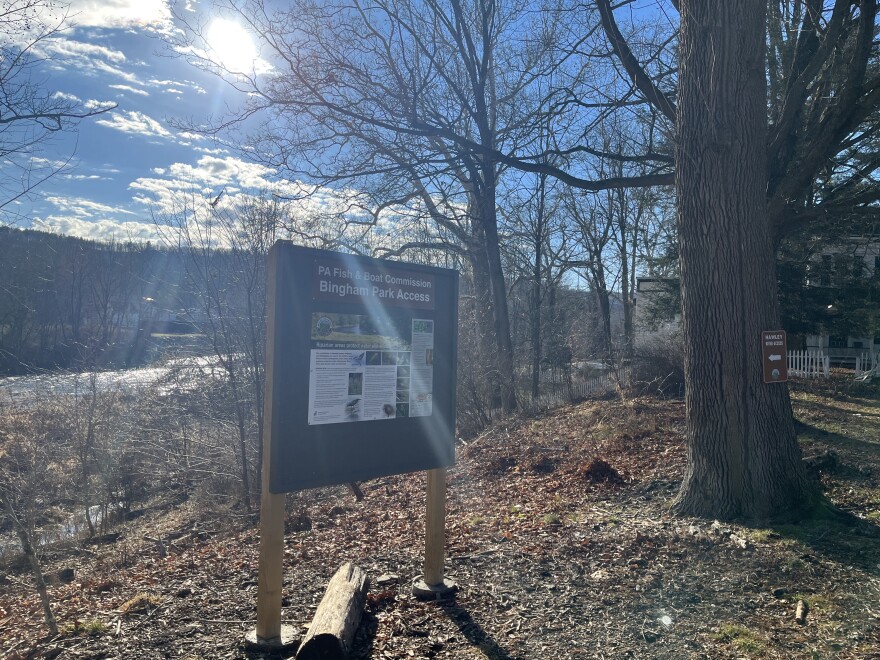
{"points": [[12, 648]]}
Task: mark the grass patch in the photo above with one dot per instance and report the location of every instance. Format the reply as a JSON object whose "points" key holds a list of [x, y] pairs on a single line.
{"points": [[89, 628], [742, 639], [813, 600]]}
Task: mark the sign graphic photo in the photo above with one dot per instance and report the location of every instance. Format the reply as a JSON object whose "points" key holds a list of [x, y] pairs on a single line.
{"points": [[360, 367]]}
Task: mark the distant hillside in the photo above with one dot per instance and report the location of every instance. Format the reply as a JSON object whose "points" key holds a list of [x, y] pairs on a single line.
{"points": [[70, 303]]}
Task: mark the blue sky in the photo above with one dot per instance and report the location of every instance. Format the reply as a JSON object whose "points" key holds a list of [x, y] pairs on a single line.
{"points": [[129, 165]]}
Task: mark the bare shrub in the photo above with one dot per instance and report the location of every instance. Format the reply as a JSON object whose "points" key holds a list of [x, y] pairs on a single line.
{"points": [[658, 365]]}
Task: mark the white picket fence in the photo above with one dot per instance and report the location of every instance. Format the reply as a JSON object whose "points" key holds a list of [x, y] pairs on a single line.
{"points": [[808, 364], [815, 364], [867, 363], [573, 390]]}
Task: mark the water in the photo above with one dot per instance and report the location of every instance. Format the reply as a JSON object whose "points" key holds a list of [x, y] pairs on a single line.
{"points": [[72, 528], [24, 389]]}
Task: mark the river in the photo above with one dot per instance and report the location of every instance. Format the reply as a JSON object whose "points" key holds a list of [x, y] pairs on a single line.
{"points": [[23, 390], [172, 375]]}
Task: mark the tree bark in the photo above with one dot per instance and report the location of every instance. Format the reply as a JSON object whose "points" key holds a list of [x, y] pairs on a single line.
{"points": [[486, 370], [744, 461], [489, 220]]}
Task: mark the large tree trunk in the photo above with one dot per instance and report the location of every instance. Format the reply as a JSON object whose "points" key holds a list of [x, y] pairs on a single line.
{"points": [[487, 217], [486, 372], [743, 457]]}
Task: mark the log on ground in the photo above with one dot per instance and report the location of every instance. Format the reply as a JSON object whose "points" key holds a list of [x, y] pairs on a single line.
{"points": [[338, 616]]}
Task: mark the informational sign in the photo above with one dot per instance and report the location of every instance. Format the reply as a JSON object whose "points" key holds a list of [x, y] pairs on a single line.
{"points": [[370, 372], [362, 367], [774, 354]]}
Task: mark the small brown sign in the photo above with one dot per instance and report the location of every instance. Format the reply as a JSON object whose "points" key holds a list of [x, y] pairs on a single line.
{"points": [[774, 355]]}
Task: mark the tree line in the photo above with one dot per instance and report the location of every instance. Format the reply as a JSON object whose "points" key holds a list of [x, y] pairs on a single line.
{"points": [[68, 303]]}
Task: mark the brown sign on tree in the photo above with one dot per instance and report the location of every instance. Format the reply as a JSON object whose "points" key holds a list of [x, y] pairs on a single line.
{"points": [[774, 354]]}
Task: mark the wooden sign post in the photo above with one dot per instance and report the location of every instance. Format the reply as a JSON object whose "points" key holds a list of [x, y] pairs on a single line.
{"points": [[269, 633], [433, 585]]}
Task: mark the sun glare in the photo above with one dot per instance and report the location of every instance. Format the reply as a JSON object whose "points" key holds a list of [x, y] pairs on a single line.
{"points": [[231, 46]]}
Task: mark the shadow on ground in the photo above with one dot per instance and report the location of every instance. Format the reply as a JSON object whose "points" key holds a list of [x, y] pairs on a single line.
{"points": [[474, 632]]}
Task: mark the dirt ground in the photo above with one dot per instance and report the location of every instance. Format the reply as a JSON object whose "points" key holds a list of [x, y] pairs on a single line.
{"points": [[559, 538]]}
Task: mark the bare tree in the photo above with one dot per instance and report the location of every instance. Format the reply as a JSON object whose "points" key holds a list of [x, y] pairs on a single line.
{"points": [[31, 114], [538, 247], [226, 248], [385, 96], [28, 477]]}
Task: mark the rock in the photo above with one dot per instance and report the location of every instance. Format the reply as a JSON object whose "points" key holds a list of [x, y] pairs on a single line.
{"points": [[386, 579], [779, 592]]}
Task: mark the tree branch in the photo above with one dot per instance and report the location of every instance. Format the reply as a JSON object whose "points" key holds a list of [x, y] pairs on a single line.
{"points": [[635, 71]]}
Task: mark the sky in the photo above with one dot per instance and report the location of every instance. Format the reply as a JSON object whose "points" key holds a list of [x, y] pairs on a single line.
{"points": [[126, 166]]}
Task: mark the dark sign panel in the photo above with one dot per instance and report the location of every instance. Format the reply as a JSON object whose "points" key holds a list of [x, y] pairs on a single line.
{"points": [[361, 373], [774, 355]]}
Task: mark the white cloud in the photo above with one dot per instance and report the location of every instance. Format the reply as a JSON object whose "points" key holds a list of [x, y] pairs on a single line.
{"points": [[129, 88], [64, 96], [188, 138], [115, 71], [174, 86], [81, 50], [223, 171], [55, 164], [135, 122], [61, 53], [216, 151], [93, 104], [142, 14], [81, 207], [84, 177]]}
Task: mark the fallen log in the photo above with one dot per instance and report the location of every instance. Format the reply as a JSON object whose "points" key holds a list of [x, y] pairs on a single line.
{"points": [[338, 616]]}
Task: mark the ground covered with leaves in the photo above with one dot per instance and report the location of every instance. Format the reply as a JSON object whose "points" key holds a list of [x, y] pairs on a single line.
{"points": [[559, 537]]}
